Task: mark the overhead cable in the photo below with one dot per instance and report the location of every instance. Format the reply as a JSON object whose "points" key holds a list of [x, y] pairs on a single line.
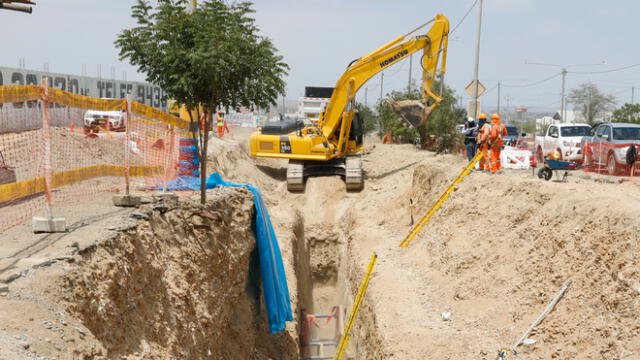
{"points": [[534, 83], [464, 17]]}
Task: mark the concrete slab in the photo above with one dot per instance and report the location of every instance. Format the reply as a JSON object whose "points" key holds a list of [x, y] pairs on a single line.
{"points": [[126, 200], [43, 224], [164, 196]]}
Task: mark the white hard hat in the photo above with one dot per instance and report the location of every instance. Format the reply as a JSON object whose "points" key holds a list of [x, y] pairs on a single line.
{"points": [[470, 118]]}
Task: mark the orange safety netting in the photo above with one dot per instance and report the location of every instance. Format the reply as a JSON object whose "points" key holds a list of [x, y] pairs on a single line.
{"points": [[59, 149]]}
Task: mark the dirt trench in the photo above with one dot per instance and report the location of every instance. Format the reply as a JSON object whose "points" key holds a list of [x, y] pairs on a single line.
{"points": [[182, 282], [327, 271]]}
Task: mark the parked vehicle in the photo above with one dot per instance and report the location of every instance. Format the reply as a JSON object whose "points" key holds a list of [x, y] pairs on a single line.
{"points": [[96, 120], [562, 138], [313, 103], [608, 144], [511, 139]]}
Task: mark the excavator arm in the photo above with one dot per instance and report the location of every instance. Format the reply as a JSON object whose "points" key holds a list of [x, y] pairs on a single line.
{"points": [[434, 46]]}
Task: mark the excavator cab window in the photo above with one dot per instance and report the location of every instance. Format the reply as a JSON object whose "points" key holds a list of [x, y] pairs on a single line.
{"points": [[357, 129]]}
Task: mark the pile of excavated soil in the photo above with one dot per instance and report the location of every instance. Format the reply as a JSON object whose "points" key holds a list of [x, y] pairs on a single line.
{"points": [[176, 280], [495, 255]]}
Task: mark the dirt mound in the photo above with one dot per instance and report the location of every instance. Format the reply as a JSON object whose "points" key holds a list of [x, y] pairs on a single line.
{"points": [[501, 247], [233, 162], [181, 283]]}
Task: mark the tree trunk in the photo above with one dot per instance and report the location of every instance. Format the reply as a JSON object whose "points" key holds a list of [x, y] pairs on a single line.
{"points": [[203, 158], [423, 137]]}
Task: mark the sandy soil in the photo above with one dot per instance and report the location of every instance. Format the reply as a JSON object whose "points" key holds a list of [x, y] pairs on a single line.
{"points": [[494, 255]]}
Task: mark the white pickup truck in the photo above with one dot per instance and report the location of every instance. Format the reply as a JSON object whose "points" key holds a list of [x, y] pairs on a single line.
{"points": [[563, 138]]}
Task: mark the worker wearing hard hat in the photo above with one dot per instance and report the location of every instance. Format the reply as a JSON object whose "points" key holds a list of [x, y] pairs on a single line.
{"points": [[483, 141], [470, 132], [496, 133]]}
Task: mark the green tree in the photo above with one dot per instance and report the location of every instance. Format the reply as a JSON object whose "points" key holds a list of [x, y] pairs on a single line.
{"points": [[439, 133], [627, 113], [369, 118], [590, 102], [209, 59]]}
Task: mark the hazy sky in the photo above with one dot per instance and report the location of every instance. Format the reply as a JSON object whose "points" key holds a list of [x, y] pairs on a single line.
{"points": [[319, 38]]}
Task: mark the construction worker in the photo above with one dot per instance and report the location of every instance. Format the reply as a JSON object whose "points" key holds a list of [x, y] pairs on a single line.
{"points": [[496, 133], [483, 141], [470, 132], [221, 123]]}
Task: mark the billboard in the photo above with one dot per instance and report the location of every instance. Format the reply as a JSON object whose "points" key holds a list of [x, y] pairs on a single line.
{"points": [[145, 93]]}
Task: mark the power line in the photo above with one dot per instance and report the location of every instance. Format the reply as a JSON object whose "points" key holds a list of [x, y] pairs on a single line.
{"points": [[605, 71], [464, 17], [534, 83]]}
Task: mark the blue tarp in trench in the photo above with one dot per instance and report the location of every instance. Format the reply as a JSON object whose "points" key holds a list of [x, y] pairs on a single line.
{"points": [[274, 281]]}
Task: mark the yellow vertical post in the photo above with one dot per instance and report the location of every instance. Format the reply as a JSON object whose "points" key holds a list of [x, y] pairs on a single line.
{"points": [[346, 335]]}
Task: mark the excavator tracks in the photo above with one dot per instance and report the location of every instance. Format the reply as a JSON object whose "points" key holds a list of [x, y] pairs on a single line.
{"points": [[349, 168]]}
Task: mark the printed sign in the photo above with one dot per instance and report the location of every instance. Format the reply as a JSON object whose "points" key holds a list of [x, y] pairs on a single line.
{"points": [[145, 93]]}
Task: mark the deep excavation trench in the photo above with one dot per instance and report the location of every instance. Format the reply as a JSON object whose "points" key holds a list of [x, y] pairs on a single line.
{"points": [[328, 273]]}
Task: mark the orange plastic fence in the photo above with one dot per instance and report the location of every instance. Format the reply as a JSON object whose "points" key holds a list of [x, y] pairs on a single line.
{"points": [[59, 149]]}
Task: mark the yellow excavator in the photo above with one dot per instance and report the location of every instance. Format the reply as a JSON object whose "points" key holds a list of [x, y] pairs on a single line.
{"points": [[332, 147]]}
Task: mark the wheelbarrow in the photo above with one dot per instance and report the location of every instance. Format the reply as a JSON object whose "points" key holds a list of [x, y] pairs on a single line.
{"points": [[546, 172]]}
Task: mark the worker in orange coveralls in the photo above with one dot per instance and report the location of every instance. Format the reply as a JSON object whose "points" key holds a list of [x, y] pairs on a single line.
{"points": [[221, 123], [496, 133], [483, 141]]}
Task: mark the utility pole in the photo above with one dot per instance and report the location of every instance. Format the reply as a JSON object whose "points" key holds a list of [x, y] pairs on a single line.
{"points": [[633, 90], [366, 90], [381, 85], [410, 67], [564, 73], [477, 65], [498, 97], [562, 99]]}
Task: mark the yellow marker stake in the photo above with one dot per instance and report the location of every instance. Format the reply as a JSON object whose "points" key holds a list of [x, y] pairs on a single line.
{"points": [[346, 336], [425, 219]]}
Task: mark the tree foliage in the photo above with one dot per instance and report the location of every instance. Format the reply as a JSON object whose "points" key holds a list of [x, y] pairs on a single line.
{"points": [[627, 113], [438, 134], [369, 118], [209, 59], [590, 102]]}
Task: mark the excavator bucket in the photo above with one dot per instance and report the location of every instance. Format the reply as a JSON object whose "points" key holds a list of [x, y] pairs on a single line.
{"points": [[413, 112]]}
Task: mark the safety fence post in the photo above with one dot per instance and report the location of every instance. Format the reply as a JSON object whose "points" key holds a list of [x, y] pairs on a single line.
{"points": [[47, 223], [127, 200]]}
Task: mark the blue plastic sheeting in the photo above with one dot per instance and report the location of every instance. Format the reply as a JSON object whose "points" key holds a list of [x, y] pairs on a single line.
{"points": [[274, 280]]}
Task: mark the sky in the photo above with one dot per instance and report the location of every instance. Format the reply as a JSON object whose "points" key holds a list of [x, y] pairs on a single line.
{"points": [[319, 38]]}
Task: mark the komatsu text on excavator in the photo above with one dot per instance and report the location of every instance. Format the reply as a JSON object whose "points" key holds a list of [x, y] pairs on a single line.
{"points": [[333, 146]]}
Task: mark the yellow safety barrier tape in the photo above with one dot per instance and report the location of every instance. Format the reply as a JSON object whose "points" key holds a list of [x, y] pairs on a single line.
{"points": [[425, 219], [22, 189], [160, 115], [346, 336], [19, 93], [85, 102]]}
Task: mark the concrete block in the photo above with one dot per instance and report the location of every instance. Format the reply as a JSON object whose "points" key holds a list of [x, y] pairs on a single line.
{"points": [[125, 200], [164, 196], [49, 225]]}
